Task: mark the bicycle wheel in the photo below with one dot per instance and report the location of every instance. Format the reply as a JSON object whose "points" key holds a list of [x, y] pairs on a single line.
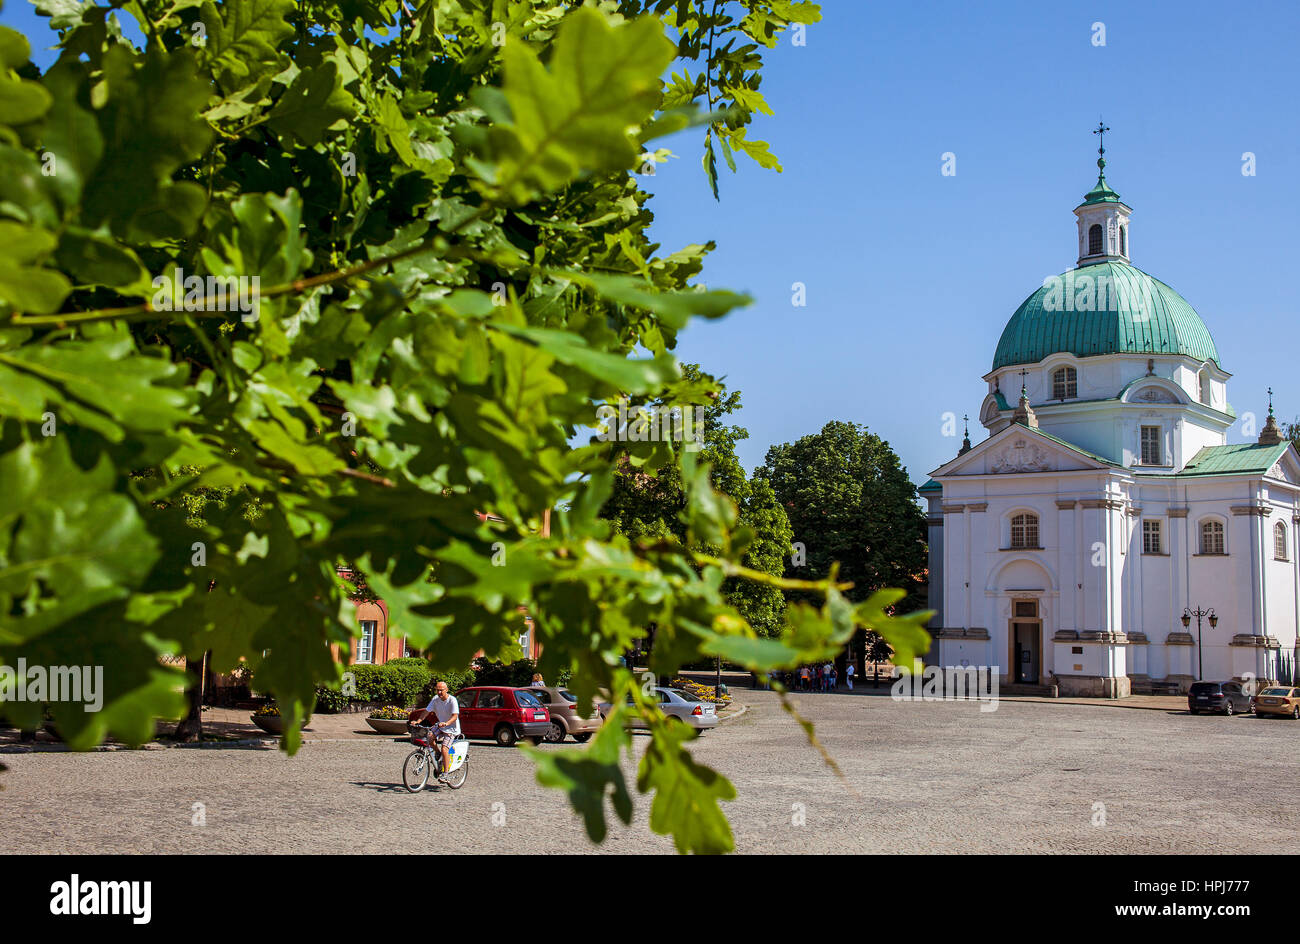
{"points": [[456, 779], [415, 772]]}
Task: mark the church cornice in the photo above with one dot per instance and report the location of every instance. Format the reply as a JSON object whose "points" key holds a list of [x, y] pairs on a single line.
{"points": [[1185, 360]]}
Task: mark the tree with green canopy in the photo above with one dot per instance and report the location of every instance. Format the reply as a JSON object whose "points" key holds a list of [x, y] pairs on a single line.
{"points": [[373, 265]]}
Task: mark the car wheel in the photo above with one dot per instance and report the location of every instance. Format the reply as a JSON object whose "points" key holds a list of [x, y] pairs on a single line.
{"points": [[585, 736], [506, 736], [557, 733], [1295, 713], [1192, 711], [1227, 708]]}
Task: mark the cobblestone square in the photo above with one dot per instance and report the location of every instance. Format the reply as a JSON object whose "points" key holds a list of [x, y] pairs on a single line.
{"points": [[920, 777]]}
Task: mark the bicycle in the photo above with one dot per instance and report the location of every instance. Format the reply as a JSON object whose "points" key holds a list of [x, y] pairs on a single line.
{"points": [[428, 757]]}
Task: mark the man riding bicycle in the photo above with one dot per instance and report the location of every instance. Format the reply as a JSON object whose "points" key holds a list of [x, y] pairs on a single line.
{"points": [[445, 712]]}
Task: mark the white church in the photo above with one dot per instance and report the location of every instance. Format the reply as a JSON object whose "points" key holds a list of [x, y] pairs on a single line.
{"points": [[1105, 538]]}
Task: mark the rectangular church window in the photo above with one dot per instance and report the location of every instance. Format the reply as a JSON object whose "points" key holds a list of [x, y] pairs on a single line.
{"points": [[1151, 445], [1151, 543]]}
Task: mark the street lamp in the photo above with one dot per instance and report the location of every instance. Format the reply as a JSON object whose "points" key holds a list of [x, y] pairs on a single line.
{"points": [[1187, 620]]}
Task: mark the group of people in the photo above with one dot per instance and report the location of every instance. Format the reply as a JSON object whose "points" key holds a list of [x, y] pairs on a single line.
{"points": [[820, 678]]}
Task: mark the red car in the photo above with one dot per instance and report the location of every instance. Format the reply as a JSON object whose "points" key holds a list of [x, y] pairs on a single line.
{"points": [[502, 714]]}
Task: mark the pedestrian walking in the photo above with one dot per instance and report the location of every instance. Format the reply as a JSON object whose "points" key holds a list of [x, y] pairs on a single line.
{"points": [[849, 672]]}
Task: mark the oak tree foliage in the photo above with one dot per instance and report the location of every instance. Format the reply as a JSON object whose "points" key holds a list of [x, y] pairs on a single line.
{"points": [[440, 202]]}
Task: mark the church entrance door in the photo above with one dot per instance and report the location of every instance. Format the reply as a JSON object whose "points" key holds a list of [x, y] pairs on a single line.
{"points": [[1026, 651]]}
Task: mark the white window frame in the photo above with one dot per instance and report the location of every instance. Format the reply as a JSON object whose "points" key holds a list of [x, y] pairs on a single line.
{"points": [[1218, 535], [366, 644], [1028, 527], [1153, 527], [1281, 551], [1065, 383], [1158, 443]]}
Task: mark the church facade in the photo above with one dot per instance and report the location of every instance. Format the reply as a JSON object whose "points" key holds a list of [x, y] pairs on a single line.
{"points": [[1105, 538]]}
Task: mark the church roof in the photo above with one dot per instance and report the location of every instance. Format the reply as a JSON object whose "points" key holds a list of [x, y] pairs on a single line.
{"points": [[1238, 458], [1139, 315], [930, 486], [1100, 193]]}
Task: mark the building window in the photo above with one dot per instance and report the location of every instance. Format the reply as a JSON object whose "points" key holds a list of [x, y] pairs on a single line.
{"points": [[1027, 608], [1205, 389], [1212, 537], [1024, 531], [1065, 383], [1151, 445], [1151, 537], [1094, 239], [1123, 240], [1279, 541], [366, 644]]}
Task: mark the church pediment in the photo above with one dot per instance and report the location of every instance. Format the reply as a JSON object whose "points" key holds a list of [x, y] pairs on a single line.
{"points": [[1287, 467], [1018, 450]]}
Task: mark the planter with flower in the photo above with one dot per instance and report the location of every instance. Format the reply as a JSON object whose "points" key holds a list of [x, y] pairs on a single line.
{"points": [[389, 720], [704, 692], [268, 718]]}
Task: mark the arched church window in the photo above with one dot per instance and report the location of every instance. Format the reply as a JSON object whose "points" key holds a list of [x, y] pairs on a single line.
{"points": [[1123, 240], [1094, 239], [1205, 389], [1279, 541], [1024, 531], [1065, 383], [1212, 537]]}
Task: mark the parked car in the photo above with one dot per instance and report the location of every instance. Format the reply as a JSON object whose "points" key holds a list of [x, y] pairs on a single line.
{"points": [[675, 703], [502, 714], [562, 705], [1227, 697], [1283, 701]]}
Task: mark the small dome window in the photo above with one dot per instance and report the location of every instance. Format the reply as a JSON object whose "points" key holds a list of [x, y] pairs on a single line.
{"points": [[1065, 383], [1123, 240], [1094, 239], [1205, 388]]}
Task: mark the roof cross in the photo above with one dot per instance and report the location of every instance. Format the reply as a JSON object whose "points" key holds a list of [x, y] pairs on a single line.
{"points": [[1101, 141], [1100, 131]]}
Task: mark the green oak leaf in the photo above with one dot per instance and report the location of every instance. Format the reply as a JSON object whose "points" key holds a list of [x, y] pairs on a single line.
{"points": [[576, 115], [686, 794]]}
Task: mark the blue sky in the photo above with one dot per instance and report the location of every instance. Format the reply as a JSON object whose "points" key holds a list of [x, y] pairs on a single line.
{"points": [[911, 275]]}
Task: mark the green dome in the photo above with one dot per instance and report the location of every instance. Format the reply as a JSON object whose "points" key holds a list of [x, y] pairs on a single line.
{"points": [[1138, 315]]}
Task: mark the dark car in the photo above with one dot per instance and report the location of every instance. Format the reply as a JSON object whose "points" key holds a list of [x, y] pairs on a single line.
{"points": [[1227, 697], [502, 714]]}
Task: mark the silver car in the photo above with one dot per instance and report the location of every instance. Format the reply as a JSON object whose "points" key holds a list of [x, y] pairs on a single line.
{"points": [[675, 703]]}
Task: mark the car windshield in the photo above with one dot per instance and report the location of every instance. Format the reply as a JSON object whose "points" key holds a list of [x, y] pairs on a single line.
{"points": [[1277, 691], [683, 695], [568, 695], [1204, 687], [528, 699]]}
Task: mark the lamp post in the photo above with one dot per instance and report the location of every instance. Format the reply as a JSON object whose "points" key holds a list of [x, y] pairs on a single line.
{"points": [[1187, 620]]}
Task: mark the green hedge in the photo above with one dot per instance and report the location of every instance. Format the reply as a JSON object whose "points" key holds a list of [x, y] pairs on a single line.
{"points": [[403, 682], [515, 674]]}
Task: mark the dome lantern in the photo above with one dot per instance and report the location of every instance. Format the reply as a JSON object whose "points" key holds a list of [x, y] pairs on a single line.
{"points": [[1102, 217]]}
